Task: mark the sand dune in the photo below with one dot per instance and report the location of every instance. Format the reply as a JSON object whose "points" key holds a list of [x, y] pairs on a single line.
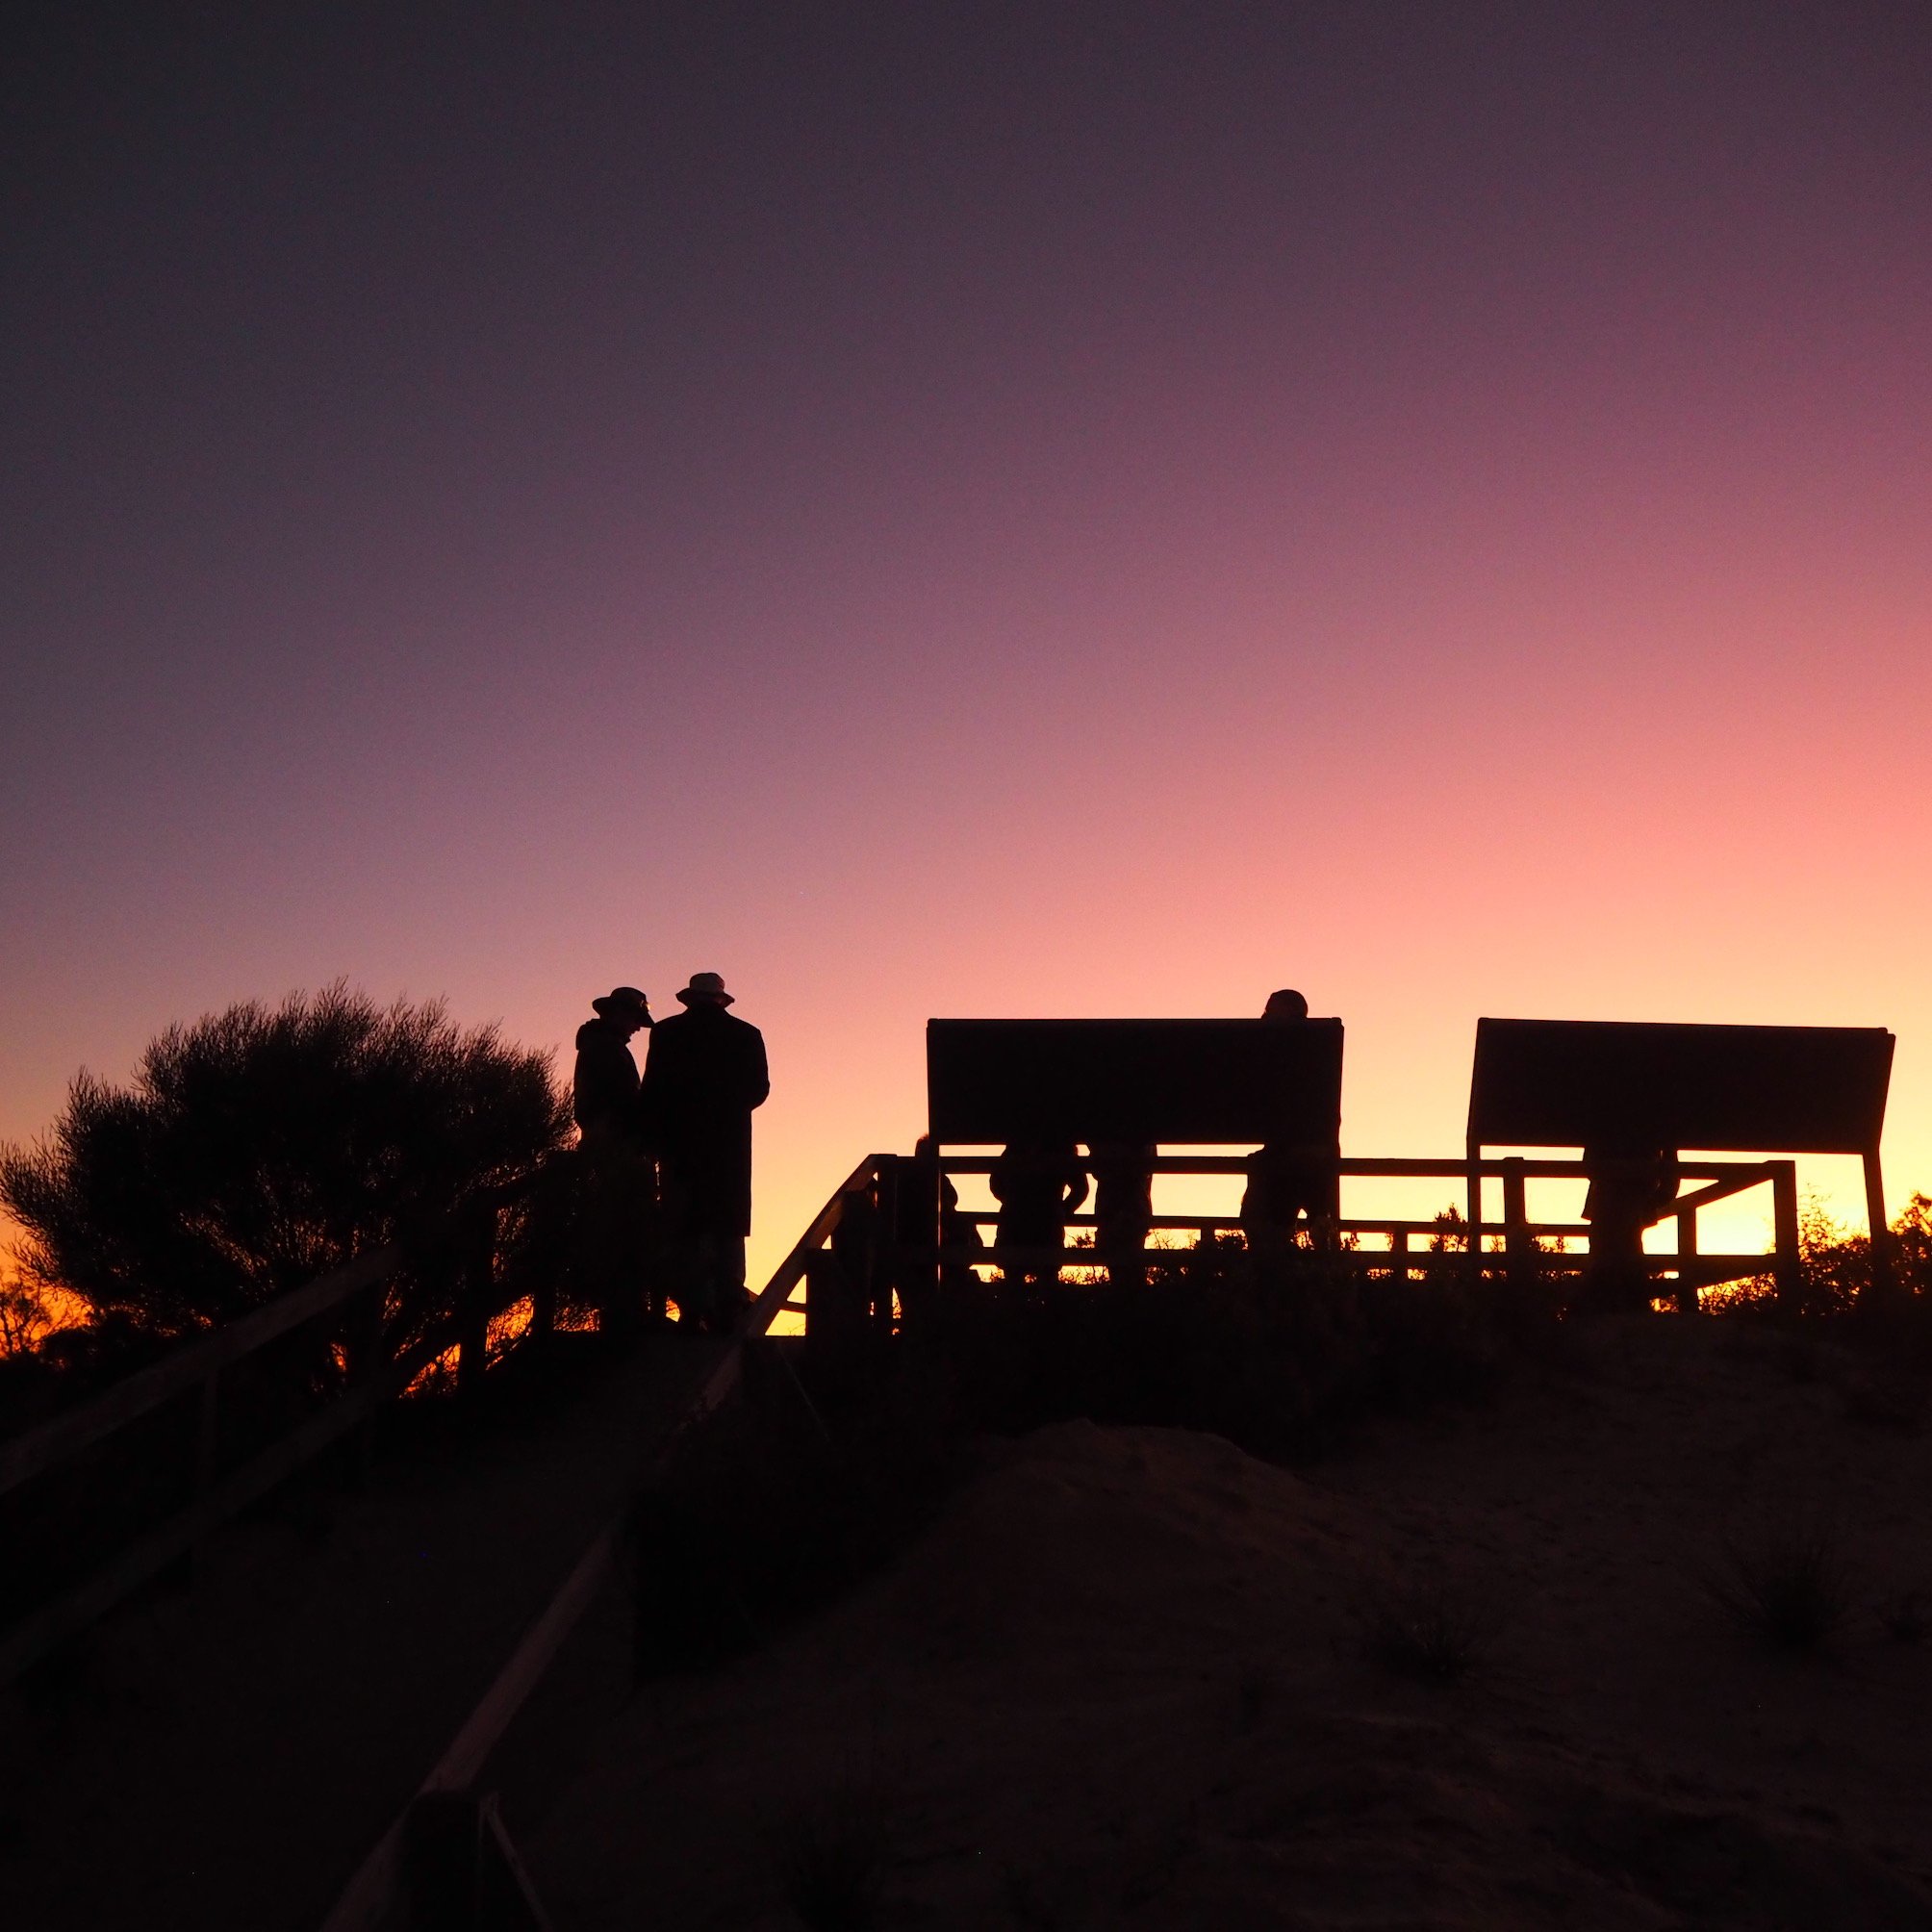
{"points": [[1124, 1681]]}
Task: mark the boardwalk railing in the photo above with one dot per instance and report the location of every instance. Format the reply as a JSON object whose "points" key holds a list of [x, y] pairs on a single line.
{"points": [[717, 1374], [346, 1302], [1414, 1246]]}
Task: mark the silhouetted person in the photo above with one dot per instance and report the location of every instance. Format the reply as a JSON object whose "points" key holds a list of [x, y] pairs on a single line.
{"points": [[1123, 1205], [604, 1085], [619, 1189], [1289, 1178], [1630, 1186], [1037, 1184], [705, 1073], [924, 1193]]}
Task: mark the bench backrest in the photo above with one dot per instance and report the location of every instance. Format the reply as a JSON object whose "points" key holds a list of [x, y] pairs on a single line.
{"points": [[1162, 1081], [1599, 1083]]}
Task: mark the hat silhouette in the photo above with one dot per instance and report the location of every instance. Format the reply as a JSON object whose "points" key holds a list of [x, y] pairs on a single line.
{"points": [[626, 1001], [706, 986]]}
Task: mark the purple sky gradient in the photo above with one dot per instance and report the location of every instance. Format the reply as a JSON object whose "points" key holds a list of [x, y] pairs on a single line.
{"points": [[970, 509]]}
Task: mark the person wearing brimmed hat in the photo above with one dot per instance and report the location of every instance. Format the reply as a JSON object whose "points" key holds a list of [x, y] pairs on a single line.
{"points": [[603, 1089], [705, 1071], [619, 1194]]}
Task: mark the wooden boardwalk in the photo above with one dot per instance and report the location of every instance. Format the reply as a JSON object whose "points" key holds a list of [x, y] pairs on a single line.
{"points": [[226, 1755]]}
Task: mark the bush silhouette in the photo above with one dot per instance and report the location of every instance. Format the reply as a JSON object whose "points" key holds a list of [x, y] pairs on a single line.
{"points": [[259, 1147], [1424, 1629], [1791, 1586]]}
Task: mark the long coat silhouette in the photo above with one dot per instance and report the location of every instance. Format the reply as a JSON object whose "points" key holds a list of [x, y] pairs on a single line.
{"points": [[603, 1091], [704, 1074]]}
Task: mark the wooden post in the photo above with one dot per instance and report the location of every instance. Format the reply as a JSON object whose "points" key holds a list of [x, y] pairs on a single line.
{"points": [[1398, 1248], [1784, 1226], [367, 1363], [544, 1292], [1516, 1221], [885, 1244], [1476, 1202], [1883, 1282], [475, 1272], [1686, 1253]]}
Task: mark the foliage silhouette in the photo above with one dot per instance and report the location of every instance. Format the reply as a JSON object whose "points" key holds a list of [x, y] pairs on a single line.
{"points": [[26, 1319], [1424, 1629], [1790, 1587], [259, 1147]]}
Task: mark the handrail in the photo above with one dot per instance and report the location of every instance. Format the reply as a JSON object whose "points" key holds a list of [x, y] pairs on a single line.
{"points": [[1453, 1169], [219, 1496], [60, 1436], [364, 1901], [151, 1552], [777, 1291]]}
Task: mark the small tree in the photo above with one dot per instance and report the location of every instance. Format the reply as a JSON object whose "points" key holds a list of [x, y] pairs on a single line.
{"points": [[258, 1147]]}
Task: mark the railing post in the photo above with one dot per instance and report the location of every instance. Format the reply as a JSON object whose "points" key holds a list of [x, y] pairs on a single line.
{"points": [[367, 1366], [885, 1243], [1788, 1263], [1476, 1205], [1686, 1250], [544, 1292], [477, 1265], [1517, 1248], [1883, 1279], [1398, 1248]]}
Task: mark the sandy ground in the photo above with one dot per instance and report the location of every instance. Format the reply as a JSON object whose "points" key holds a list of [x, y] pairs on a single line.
{"points": [[1122, 1681]]}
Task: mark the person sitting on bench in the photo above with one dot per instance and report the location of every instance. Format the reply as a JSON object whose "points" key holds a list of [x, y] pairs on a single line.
{"points": [[1289, 1178], [1037, 1184]]}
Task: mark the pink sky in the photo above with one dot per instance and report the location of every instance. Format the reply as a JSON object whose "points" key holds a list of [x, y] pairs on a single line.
{"points": [[977, 517]]}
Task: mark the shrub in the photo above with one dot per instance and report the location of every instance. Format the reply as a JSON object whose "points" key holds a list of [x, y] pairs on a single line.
{"points": [[1790, 1587], [1911, 1245], [25, 1318], [258, 1147], [1834, 1264], [1424, 1629], [827, 1856]]}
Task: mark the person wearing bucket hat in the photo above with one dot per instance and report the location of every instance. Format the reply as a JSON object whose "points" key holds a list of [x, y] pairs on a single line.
{"points": [[705, 1071], [619, 1195]]}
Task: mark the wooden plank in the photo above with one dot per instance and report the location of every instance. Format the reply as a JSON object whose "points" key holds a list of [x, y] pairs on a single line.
{"points": [[1708, 1267], [65, 1435], [1134, 1080], [758, 1317], [1641, 1084], [1350, 1224], [1759, 1174], [1351, 1165]]}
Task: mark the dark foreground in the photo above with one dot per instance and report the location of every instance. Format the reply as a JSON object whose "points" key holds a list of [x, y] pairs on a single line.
{"points": [[1136, 1677]]}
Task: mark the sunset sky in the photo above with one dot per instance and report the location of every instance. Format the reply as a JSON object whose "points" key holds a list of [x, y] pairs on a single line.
{"points": [[970, 510]]}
